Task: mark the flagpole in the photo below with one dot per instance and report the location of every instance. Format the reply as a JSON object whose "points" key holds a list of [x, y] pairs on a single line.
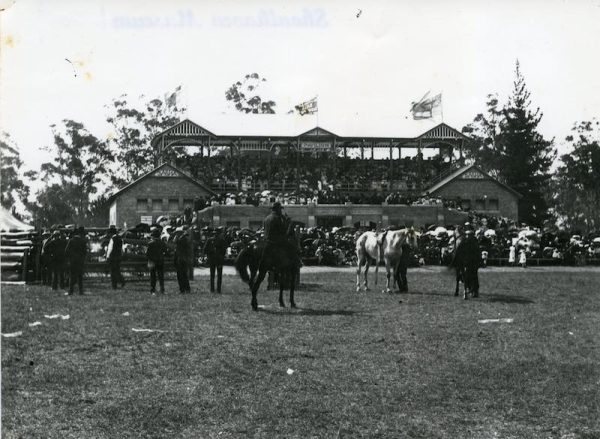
{"points": [[442, 105]]}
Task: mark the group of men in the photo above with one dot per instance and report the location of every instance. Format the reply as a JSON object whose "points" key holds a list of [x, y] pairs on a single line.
{"points": [[63, 260], [214, 249], [60, 255]]}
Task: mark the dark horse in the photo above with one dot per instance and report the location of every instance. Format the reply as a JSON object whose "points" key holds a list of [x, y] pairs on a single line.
{"points": [[466, 261], [282, 259]]}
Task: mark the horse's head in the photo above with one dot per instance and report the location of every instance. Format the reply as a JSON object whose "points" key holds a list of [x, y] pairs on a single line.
{"points": [[412, 238]]}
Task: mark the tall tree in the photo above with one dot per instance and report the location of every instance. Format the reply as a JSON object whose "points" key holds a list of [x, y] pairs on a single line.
{"points": [[576, 183], [244, 95], [134, 128], [485, 147], [12, 185], [507, 144], [527, 156], [79, 168]]}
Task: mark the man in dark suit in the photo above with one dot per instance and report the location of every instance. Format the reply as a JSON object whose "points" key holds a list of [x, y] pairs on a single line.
{"points": [[75, 253], [156, 261], [55, 249], [182, 257], [114, 254], [215, 249], [403, 268]]}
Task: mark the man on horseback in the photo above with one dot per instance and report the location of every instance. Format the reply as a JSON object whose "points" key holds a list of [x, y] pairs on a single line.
{"points": [[277, 233], [276, 225]]}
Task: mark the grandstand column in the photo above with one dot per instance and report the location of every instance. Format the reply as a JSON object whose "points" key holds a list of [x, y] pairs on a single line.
{"points": [[298, 165], [362, 150], [391, 176], [334, 158], [419, 166], [348, 221], [269, 165]]}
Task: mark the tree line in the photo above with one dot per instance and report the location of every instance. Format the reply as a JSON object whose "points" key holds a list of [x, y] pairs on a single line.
{"points": [[505, 142]]}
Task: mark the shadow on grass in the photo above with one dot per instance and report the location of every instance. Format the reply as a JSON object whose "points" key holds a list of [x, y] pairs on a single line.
{"points": [[309, 312], [502, 298]]}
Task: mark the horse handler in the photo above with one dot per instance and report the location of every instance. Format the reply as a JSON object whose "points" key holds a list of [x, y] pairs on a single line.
{"points": [[215, 249]]}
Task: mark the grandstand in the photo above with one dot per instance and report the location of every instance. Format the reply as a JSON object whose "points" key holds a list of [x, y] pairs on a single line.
{"points": [[259, 159], [260, 153]]}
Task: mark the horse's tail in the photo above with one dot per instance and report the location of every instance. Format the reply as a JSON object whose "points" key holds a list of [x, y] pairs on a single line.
{"points": [[242, 262]]}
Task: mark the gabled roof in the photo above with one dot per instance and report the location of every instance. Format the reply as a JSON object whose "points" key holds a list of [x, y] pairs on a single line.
{"points": [[317, 131], [186, 128], [164, 166], [442, 131], [456, 174]]}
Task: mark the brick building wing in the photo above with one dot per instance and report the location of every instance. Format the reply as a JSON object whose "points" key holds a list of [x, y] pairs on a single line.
{"points": [[165, 190], [476, 190]]}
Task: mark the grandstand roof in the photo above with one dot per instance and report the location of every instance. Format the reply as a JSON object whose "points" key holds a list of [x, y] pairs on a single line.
{"points": [[463, 170], [294, 125]]}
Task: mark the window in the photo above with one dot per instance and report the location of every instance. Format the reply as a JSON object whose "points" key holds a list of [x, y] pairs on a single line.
{"points": [[465, 204], [173, 204], [157, 205], [142, 204], [493, 204], [480, 204]]}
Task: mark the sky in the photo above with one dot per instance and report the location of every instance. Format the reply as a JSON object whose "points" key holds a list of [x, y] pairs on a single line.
{"points": [[366, 61]]}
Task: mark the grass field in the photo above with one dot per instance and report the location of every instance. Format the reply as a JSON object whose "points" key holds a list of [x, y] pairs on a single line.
{"points": [[344, 364]]}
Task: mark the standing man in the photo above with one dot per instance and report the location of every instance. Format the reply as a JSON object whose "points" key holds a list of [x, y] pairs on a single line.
{"points": [[114, 254], [156, 261], [75, 253], [403, 268], [215, 249], [182, 254], [45, 259], [56, 249]]}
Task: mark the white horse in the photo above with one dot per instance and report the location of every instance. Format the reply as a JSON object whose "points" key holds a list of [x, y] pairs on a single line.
{"points": [[387, 247], [367, 249]]}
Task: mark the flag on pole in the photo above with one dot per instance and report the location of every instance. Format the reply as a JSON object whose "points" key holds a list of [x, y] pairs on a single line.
{"points": [[423, 109], [308, 107]]}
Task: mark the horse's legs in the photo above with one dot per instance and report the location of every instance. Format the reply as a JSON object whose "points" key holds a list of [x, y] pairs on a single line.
{"points": [[359, 263], [387, 275], [281, 283], [457, 282], [256, 285], [367, 265], [292, 285]]}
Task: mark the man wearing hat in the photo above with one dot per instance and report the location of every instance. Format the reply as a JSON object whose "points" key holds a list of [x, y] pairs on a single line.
{"points": [[182, 255], [75, 253], [276, 231], [114, 253], [55, 249], [275, 225], [215, 249], [156, 261]]}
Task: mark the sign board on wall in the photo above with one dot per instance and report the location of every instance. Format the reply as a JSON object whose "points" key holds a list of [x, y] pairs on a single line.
{"points": [[146, 219]]}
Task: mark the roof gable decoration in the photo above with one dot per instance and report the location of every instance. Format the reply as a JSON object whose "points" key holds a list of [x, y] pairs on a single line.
{"points": [[167, 171], [469, 172], [164, 170], [473, 174], [186, 128], [317, 131], [442, 132]]}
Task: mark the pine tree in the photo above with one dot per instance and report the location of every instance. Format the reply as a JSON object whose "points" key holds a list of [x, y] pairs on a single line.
{"points": [[526, 156]]}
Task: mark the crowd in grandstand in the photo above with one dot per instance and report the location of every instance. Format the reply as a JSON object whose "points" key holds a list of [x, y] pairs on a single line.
{"points": [[320, 172]]}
